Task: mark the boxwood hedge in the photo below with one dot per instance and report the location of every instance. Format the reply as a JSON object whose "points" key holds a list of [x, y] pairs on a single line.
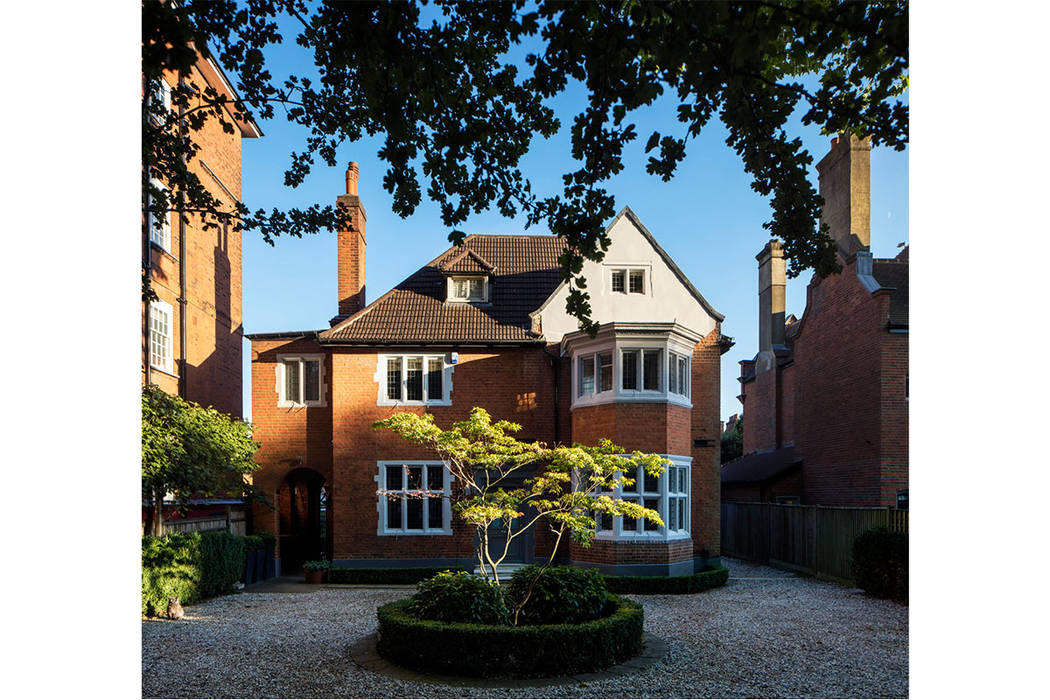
{"points": [[694, 583], [191, 566], [496, 650], [880, 563], [395, 576]]}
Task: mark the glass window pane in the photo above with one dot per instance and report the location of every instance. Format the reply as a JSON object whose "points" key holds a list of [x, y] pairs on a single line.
{"points": [[435, 477], [587, 375], [414, 379], [291, 381], [683, 376], [682, 524], [605, 377], [415, 478], [633, 488], [414, 513], [434, 521], [617, 280], [672, 374], [393, 478], [460, 288], [637, 284], [393, 378], [654, 504], [672, 516], [630, 524], [651, 483], [475, 289], [651, 370], [313, 377], [629, 371], [393, 513], [435, 369]]}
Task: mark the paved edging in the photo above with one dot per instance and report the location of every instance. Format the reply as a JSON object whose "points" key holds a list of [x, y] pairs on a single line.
{"points": [[365, 655]]}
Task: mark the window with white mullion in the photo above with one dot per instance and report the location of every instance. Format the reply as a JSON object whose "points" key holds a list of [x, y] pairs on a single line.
{"points": [[159, 223], [300, 381], [416, 379], [678, 374], [160, 336], [415, 498]]}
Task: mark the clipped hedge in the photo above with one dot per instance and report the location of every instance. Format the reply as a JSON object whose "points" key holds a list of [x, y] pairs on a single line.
{"points": [[459, 596], [880, 563], [190, 566], [395, 576], [560, 594], [495, 650], [694, 583]]}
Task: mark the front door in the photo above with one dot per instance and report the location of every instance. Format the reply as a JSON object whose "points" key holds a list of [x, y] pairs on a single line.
{"points": [[522, 548]]}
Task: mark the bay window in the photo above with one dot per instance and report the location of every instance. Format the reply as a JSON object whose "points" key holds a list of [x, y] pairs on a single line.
{"points": [[667, 494]]}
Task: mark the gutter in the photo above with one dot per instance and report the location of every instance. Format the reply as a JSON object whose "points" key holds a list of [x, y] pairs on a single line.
{"points": [[182, 268], [556, 367]]}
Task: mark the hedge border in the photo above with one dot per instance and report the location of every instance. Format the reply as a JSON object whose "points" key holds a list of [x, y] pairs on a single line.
{"points": [[693, 583], [491, 650], [338, 574]]}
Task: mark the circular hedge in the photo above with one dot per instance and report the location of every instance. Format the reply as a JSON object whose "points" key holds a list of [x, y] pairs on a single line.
{"points": [[456, 648]]}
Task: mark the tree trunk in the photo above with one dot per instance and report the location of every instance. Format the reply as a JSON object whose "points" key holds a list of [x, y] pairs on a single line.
{"points": [[158, 513]]}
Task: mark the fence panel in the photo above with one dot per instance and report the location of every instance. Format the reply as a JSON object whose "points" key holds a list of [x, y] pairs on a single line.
{"points": [[814, 539], [237, 524]]}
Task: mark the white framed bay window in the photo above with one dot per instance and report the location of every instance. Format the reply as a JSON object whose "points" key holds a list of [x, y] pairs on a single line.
{"points": [[300, 381], [414, 379], [413, 498], [667, 494]]}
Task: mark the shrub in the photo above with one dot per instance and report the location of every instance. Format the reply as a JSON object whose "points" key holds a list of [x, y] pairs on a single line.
{"points": [[497, 650], [392, 576], [190, 566], [254, 543], [880, 563], [562, 594], [458, 596], [269, 540], [703, 580], [317, 565]]}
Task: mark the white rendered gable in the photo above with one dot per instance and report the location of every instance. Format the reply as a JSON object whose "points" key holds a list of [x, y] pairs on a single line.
{"points": [[666, 297]]}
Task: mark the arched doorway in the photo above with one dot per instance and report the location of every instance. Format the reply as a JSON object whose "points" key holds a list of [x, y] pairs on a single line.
{"points": [[305, 525]]}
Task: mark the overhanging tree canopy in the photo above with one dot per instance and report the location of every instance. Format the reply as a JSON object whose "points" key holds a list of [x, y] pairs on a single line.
{"points": [[457, 114]]}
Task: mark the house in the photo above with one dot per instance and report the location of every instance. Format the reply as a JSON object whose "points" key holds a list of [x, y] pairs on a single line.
{"points": [[826, 397], [192, 334], [484, 324]]}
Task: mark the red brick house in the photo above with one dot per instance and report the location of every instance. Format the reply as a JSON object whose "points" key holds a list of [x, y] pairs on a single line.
{"points": [[484, 324], [826, 397]]}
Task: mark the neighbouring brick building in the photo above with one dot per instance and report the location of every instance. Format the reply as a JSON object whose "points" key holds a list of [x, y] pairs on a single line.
{"points": [[484, 324], [826, 397], [192, 335]]}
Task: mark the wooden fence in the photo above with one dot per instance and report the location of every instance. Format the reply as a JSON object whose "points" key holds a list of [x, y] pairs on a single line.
{"points": [[236, 524], [815, 540]]}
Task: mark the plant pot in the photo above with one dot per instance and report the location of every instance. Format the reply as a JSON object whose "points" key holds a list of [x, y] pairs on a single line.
{"points": [[314, 576], [258, 560], [249, 568], [268, 564]]}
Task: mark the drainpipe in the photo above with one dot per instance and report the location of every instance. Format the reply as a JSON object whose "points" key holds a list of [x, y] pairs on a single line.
{"points": [[556, 366], [182, 264], [147, 265]]}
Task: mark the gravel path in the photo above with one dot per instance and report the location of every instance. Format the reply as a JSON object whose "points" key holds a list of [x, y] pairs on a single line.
{"points": [[765, 634]]}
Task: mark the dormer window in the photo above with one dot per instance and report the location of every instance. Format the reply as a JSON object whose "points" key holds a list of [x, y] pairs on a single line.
{"points": [[468, 289]]}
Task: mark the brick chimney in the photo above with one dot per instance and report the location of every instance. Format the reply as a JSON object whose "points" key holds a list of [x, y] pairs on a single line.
{"points": [[845, 185], [351, 249], [771, 282]]}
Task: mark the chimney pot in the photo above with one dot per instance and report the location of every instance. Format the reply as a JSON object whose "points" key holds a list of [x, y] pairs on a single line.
{"points": [[352, 173]]}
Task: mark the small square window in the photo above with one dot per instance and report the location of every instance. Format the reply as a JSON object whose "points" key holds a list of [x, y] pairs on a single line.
{"points": [[467, 289], [618, 280], [299, 381], [637, 282]]}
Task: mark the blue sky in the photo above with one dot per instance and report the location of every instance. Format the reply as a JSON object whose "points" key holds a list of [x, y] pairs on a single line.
{"points": [[707, 218]]}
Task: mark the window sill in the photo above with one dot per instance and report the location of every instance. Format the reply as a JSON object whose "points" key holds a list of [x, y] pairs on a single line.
{"points": [[415, 533], [158, 247], [643, 537], [308, 404], [164, 370], [390, 402], [631, 396]]}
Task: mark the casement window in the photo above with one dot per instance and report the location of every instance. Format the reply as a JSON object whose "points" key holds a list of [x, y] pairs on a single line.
{"points": [[300, 380], [160, 336], [159, 223], [667, 494], [414, 498], [678, 374], [594, 373], [902, 500], [640, 369], [467, 289], [627, 281], [414, 379], [159, 99]]}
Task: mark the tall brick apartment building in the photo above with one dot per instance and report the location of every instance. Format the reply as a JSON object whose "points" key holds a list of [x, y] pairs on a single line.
{"points": [[826, 397], [484, 324], [192, 336]]}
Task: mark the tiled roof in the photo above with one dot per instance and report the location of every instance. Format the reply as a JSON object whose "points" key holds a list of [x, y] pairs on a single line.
{"points": [[759, 466], [467, 262], [525, 273], [894, 274]]}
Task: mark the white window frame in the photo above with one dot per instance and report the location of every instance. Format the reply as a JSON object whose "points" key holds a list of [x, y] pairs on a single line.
{"points": [[163, 307], [673, 357], [382, 497], [664, 495], [627, 270], [159, 235], [164, 89], [322, 387], [619, 346], [578, 369], [446, 380], [453, 297]]}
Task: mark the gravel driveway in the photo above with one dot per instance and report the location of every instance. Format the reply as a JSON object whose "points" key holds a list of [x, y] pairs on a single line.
{"points": [[765, 634]]}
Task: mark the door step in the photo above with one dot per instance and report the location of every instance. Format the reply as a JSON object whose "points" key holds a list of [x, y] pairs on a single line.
{"points": [[505, 570]]}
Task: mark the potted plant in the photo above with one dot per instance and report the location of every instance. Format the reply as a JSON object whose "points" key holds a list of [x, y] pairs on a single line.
{"points": [[269, 542], [315, 570]]}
